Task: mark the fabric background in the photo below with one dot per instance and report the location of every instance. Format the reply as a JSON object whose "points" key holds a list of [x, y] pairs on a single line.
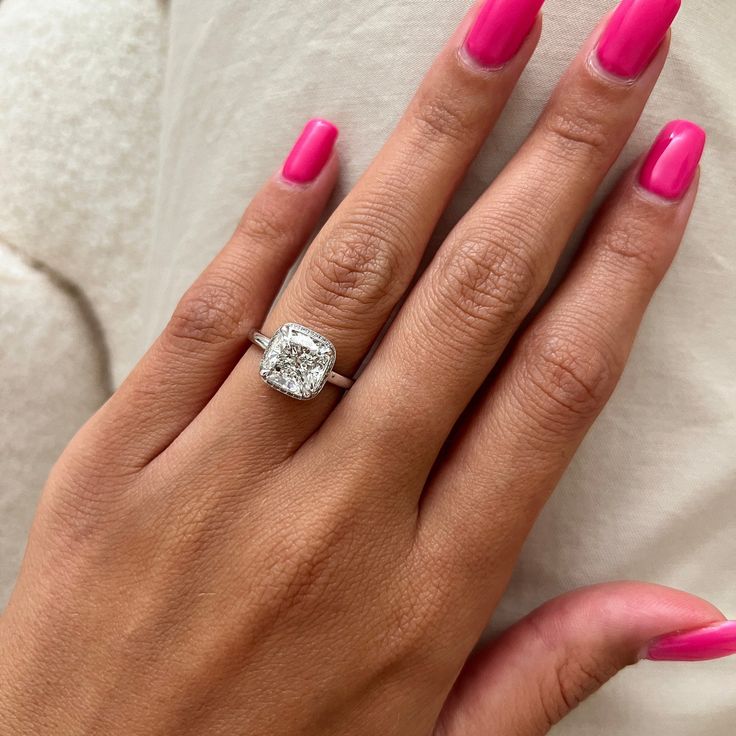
{"points": [[80, 87], [96, 245]]}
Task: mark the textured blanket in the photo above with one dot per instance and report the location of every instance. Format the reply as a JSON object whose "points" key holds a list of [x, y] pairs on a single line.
{"points": [[80, 90]]}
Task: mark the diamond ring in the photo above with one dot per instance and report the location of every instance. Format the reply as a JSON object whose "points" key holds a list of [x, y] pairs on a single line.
{"points": [[298, 361]]}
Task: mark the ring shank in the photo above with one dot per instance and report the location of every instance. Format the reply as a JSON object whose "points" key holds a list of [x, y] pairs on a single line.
{"points": [[259, 339], [341, 381]]}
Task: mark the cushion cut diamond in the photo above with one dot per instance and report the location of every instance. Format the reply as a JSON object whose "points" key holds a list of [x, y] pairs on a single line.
{"points": [[297, 361]]}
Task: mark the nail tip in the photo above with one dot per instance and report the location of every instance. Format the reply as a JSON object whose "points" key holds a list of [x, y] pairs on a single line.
{"points": [[311, 152], [673, 159], [323, 123], [499, 31], [689, 129], [634, 32], [716, 641]]}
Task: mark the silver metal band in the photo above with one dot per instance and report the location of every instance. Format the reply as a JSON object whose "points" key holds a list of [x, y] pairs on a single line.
{"points": [[259, 339]]}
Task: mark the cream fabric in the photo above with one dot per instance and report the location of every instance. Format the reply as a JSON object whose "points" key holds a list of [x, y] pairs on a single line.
{"points": [[41, 408], [80, 88], [651, 493]]}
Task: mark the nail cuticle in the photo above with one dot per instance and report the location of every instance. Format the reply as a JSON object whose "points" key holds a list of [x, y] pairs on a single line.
{"points": [[595, 67], [473, 65], [656, 199], [288, 183]]}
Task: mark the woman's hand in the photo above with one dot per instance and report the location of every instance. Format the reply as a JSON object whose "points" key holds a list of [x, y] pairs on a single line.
{"points": [[212, 557]]}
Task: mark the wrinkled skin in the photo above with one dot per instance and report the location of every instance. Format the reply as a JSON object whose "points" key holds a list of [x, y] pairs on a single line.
{"points": [[211, 557]]}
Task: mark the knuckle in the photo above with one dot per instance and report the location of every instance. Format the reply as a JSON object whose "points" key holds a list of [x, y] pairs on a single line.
{"points": [[632, 249], [442, 118], [574, 373], [303, 566], [310, 569], [261, 225], [86, 507], [411, 624], [575, 678], [577, 132], [486, 282], [574, 673], [358, 265], [208, 314]]}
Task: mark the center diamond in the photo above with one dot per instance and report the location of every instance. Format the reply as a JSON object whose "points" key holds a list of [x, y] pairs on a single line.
{"points": [[297, 361]]}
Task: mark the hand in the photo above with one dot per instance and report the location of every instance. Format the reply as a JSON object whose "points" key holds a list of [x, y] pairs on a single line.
{"points": [[212, 557]]}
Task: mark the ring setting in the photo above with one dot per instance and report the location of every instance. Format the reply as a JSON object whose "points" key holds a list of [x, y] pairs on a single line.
{"points": [[298, 361]]}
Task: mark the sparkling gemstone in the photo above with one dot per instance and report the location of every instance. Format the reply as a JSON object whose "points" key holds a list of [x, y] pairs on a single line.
{"points": [[297, 361]]}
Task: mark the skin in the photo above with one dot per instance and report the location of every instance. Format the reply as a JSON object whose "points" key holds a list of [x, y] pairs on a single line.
{"points": [[212, 557]]}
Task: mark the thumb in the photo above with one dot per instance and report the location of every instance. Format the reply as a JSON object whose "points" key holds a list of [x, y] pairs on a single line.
{"points": [[535, 673]]}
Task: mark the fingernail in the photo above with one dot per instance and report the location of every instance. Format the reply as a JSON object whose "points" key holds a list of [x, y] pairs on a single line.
{"points": [[634, 33], [673, 159], [500, 29], [709, 642], [311, 152]]}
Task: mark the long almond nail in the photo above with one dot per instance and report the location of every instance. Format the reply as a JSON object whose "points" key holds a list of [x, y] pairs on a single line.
{"points": [[311, 152], [634, 33], [500, 30], [673, 159], [710, 642]]}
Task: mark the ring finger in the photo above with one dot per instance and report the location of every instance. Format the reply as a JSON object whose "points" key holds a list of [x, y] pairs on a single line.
{"points": [[359, 266]]}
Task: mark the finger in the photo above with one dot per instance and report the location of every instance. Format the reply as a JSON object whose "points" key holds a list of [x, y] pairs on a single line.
{"points": [[497, 261], [360, 264], [207, 333], [535, 673], [526, 428]]}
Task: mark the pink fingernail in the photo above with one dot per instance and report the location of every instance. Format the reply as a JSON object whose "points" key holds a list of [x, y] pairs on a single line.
{"points": [[500, 29], [634, 33], [710, 642], [311, 152], [671, 163]]}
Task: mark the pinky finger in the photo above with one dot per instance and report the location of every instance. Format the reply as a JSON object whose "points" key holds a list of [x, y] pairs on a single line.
{"points": [[567, 363], [208, 332]]}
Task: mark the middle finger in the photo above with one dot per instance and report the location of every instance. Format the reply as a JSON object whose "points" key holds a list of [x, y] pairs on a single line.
{"points": [[495, 264]]}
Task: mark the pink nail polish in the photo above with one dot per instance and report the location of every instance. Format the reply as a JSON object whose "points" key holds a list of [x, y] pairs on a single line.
{"points": [[311, 152], [710, 642], [634, 33], [673, 159], [500, 29]]}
